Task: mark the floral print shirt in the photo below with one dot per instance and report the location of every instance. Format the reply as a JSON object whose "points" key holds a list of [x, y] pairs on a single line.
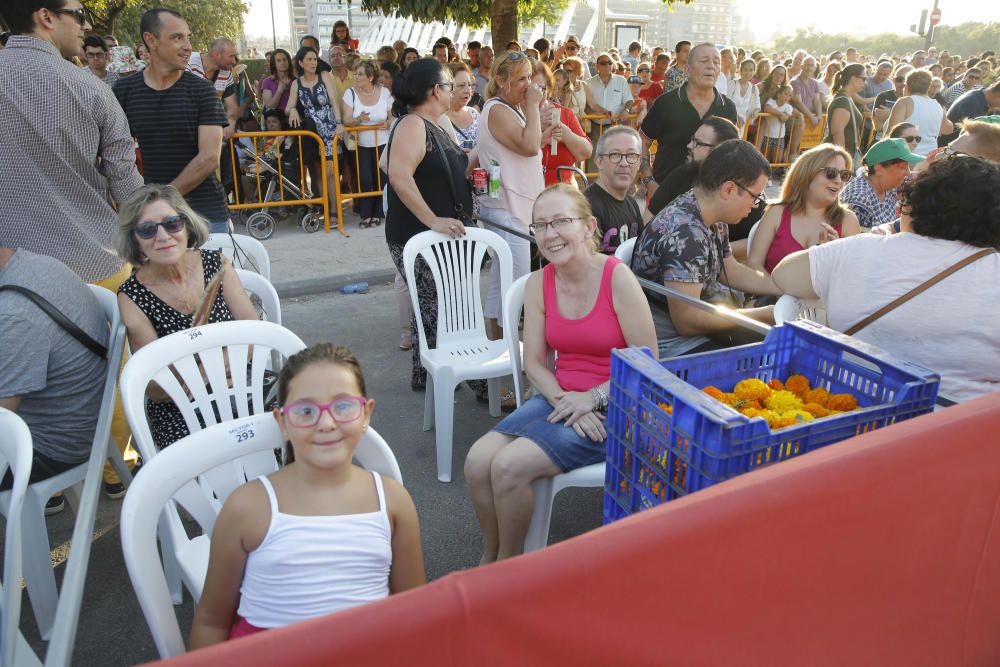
{"points": [[673, 79]]}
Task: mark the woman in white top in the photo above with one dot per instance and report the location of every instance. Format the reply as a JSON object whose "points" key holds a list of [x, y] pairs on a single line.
{"points": [[951, 212], [745, 95], [917, 108], [368, 103]]}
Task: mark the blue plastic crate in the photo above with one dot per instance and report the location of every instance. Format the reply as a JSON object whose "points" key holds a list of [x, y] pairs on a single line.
{"points": [[655, 454]]}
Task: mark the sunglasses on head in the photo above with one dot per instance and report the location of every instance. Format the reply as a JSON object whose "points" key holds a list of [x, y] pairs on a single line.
{"points": [[516, 55], [832, 173], [148, 229]]}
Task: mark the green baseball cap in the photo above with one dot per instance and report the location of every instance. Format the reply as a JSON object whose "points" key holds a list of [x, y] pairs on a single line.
{"points": [[890, 149], [988, 119]]}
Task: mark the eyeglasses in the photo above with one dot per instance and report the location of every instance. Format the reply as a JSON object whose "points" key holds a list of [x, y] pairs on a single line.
{"points": [[603, 62], [616, 157], [642, 71], [516, 55], [558, 224], [634, 80], [572, 47], [900, 79], [81, 14], [698, 142], [450, 85], [147, 229], [832, 173], [949, 153], [758, 200], [305, 414], [96, 54], [913, 140]]}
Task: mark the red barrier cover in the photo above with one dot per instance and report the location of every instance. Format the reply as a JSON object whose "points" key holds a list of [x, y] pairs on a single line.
{"points": [[881, 550]]}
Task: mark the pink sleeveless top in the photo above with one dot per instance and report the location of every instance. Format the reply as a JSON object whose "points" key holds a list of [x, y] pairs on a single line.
{"points": [[583, 347], [784, 243]]}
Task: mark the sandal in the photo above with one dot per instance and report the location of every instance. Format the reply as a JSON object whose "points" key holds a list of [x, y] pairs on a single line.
{"points": [[376, 222], [365, 224], [508, 400]]}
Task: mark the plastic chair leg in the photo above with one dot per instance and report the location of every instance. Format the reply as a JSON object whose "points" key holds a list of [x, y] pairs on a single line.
{"points": [[38, 572], [541, 519], [118, 463], [171, 568], [444, 417], [429, 403], [494, 388], [73, 496]]}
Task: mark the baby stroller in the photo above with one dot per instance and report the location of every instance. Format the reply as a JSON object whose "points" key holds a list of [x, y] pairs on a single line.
{"points": [[278, 185]]}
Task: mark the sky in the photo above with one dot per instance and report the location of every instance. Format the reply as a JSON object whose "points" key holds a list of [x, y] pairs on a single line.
{"points": [[765, 17]]}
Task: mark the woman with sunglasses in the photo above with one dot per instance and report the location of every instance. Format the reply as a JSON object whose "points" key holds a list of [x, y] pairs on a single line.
{"points": [[159, 233], [809, 211], [951, 213]]}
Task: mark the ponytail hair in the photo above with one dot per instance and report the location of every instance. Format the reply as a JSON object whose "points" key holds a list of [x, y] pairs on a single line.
{"points": [[845, 75]]}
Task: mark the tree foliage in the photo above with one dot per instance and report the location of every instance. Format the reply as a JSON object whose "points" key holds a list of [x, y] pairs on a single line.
{"points": [[207, 19], [966, 39]]}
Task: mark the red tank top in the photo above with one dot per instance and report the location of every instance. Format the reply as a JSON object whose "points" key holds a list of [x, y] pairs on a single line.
{"points": [[784, 243], [583, 347]]}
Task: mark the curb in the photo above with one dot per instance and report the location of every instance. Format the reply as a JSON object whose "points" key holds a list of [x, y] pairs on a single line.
{"points": [[325, 284]]}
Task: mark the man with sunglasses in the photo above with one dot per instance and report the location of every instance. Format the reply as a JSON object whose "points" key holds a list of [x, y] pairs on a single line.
{"points": [[972, 80], [686, 249], [617, 160]]}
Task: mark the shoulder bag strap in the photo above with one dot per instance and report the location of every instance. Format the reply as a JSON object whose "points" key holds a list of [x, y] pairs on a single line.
{"points": [[76, 332], [459, 209], [918, 290]]}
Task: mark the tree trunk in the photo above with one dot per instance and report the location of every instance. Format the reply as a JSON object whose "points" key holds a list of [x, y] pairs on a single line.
{"points": [[503, 23]]}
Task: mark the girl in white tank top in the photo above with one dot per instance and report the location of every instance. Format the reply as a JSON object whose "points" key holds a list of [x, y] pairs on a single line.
{"points": [[320, 534]]}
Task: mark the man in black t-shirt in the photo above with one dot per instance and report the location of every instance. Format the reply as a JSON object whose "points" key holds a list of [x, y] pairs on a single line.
{"points": [[177, 118], [676, 115], [617, 159]]}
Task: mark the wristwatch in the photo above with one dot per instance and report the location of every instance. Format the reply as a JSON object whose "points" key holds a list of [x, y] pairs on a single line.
{"points": [[600, 398], [646, 179]]}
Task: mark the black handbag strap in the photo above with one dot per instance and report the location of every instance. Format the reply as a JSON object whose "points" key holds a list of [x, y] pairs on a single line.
{"points": [[459, 209], [76, 332]]}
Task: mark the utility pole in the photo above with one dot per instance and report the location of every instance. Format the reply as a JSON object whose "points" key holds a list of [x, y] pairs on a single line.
{"points": [[274, 30], [935, 18]]}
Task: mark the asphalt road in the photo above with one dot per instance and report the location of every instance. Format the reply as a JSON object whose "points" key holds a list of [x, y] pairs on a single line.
{"points": [[112, 630]]}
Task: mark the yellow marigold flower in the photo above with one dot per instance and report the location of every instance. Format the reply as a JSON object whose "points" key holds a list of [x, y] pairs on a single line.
{"points": [[783, 401], [752, 389], [797, 384], [816, 410], [842, 402], [818, 396], [776, 384], [799, 416]]}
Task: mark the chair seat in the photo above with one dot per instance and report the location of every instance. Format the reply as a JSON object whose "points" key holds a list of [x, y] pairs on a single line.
{"points": [[480, 359], [193, 561]]}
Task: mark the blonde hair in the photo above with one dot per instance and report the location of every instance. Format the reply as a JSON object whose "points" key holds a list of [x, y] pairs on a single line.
{"points": [[580, 205], [580, 66], [504, 67], [131, 210], [987, 136], [796, 187]]}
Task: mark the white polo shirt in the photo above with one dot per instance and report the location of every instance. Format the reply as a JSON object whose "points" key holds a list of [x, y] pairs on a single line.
{"points": [[612, 97]]}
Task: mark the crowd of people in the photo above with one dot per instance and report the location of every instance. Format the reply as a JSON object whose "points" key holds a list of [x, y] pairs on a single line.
{"points": [[904, 185]]}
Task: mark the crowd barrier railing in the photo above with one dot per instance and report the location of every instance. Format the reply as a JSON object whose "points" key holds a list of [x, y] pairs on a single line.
{"points": [[354, 158], [262, 170], [597, 131]]}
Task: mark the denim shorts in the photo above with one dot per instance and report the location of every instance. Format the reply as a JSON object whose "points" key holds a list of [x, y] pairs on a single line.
{"points": [[560, 442]]}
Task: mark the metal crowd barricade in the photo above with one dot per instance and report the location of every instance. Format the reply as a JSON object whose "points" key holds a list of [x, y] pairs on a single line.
{"points": [[257, 139], [593, 118], [355, 158]]}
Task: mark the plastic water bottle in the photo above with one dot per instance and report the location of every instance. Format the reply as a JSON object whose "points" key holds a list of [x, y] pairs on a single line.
{"points": [[354, 288]]}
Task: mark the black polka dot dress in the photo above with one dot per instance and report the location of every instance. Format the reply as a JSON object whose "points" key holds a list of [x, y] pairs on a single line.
{"points": [[165, 420]]}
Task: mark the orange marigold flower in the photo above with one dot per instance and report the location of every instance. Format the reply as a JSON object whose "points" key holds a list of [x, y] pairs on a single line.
{"points": [[842, 402], [748, 405], [752, 389], [714, 392], [816, 410], [797, 384], [776, 384], [818, 396]]}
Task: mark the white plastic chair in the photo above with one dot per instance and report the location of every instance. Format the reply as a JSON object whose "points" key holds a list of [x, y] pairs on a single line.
{"points": [[200, 471], [790, 308], [624, 251], [15, 452], [38, 572], [254, 283], [247, 253], [753, 231], [463, 351], [544, 488], [175, 363]]}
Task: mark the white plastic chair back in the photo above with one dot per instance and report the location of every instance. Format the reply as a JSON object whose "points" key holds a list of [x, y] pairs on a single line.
{"points": [[624, 252], [753, 231], [254, 283], [244, 252], [15, 453], [456, 266], [513, 302], [243, 449], [176, 363], [790, 308]]}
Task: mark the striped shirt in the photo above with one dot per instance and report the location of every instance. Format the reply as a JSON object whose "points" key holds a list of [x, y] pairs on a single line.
{"points": [[165, 123], [65, 148], [223, 80]]}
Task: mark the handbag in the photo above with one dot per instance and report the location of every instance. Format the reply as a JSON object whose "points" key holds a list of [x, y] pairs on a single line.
{"points": [[68, 325], [922, 287], [460, 211]]}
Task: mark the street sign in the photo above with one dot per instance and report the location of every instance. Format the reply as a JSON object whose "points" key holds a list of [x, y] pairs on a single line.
{"points": [[935, 16]]}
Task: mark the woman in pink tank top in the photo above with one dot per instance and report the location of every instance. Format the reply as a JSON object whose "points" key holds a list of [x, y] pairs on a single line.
{"points": [[809, 212], [581, 306]]}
